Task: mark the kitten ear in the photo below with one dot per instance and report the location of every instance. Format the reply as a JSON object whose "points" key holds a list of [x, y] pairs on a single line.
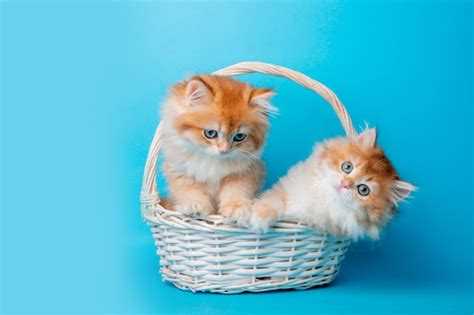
{"points": [[402, 189], [260, 99], [197, 93], [367, 137]]}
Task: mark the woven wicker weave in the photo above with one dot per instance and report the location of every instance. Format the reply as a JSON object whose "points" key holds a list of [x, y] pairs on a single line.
{"points": [[206, 254]]}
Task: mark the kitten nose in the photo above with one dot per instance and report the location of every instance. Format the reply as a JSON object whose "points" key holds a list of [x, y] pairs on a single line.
{"points": [[345, 183], [223, 149]]}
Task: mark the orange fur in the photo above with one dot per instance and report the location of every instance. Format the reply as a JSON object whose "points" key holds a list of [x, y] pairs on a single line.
{"points": [[229, 106], [195, 200], [375, 167], [236, 193], [220, 172], [269, 207]]}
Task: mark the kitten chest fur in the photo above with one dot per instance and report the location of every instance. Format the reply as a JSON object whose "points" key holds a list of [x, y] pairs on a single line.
{"points": [[314, 201]]}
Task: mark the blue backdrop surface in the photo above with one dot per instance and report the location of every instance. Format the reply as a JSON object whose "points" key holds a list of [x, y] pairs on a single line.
{"points": [[80, 86]]}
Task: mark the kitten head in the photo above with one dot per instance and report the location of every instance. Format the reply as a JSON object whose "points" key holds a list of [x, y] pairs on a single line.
{"points": [[364, 179], [220, 116]]}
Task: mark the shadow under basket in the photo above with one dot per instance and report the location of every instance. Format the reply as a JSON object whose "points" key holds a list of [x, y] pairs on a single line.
{"points": [[208, 255]]}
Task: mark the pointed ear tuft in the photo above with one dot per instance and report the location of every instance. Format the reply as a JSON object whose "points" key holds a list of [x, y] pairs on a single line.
{"points": [[260, 99], [402, 190], [197, 93], [368, 137]]}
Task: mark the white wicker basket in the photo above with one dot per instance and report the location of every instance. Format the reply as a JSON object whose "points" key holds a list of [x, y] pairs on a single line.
{"points": [[206, 254]]}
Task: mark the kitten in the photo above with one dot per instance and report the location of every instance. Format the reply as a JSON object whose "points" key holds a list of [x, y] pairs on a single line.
{"points": [[347, 187], [214, 130]]}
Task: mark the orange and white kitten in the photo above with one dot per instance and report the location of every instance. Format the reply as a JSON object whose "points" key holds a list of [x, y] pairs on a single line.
{"points": [[214, 130], [347, 187]]}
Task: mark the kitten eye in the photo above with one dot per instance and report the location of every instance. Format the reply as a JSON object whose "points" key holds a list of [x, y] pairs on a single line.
{"points": [[209, 133], [363, 189], [347, 167], [239, 137]]}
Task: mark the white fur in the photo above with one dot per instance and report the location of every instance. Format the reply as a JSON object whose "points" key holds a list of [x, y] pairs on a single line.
{"points": [[368, 137], [262, 103], [314, 196]]}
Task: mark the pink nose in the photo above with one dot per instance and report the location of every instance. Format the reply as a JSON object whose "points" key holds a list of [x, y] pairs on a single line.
{"points": [[223, 151], [345, 183]]}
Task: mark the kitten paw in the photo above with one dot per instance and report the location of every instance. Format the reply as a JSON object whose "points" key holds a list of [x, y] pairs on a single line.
{"points": [[238, 212], [263, 216], [195, 208]]}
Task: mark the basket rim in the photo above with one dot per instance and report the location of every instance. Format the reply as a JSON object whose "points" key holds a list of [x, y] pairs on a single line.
{"points": [[158, 215]]}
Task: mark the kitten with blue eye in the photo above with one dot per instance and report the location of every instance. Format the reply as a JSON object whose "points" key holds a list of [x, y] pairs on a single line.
{"points": [[214, 131], [347, 187]]}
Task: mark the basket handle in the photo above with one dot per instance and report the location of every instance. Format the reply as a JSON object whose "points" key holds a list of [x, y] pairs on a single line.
{"points": [[149, 193]]}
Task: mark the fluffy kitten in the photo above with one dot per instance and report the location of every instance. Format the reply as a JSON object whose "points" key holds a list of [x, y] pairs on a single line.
{"points": [[214, 129], [346, 187]]}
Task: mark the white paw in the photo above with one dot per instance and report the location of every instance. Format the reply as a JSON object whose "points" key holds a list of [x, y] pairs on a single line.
{"points": [[238, 212], [263, 217], [195, 208]]}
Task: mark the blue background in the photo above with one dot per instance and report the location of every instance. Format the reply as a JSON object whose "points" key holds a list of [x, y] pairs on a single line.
{"points": [[80, 88]]}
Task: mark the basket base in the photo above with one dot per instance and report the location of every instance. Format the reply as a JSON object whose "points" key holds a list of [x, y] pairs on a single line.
{"points": [[259, 284], [206, 256]]}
